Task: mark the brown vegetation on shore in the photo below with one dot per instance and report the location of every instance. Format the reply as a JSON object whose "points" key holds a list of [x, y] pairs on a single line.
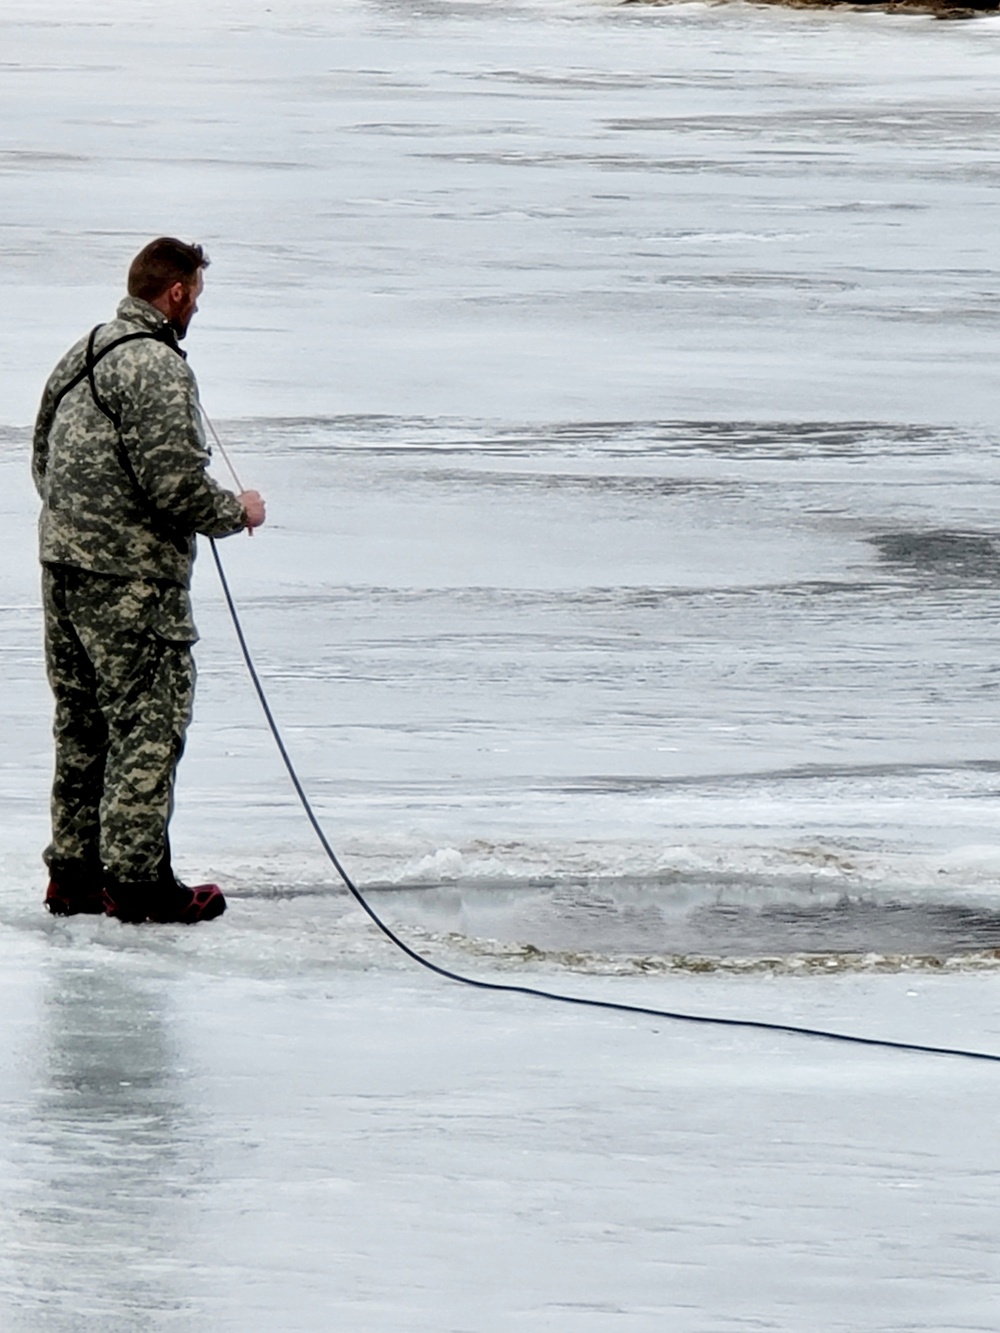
{"points": [[941, 9]]}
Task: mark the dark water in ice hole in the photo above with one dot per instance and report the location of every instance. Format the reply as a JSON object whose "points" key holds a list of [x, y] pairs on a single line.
{"points": [[643, 918]]}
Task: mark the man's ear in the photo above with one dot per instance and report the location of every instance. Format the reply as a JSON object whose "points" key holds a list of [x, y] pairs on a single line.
{"points": [[176, 293]]}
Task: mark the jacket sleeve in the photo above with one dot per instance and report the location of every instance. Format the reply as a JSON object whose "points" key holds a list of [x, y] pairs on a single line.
{"points": [[46, 416], [156, 398], [40, 440]]}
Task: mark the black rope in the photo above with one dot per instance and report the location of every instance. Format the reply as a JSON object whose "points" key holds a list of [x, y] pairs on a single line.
{"points": [[759, 1025]]}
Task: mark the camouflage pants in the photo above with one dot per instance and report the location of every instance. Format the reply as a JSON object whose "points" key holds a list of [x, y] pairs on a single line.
{"points": [[123, 697]]}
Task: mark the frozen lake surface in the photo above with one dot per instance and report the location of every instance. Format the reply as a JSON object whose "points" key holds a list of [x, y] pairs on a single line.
{"points": [[622, 384]]}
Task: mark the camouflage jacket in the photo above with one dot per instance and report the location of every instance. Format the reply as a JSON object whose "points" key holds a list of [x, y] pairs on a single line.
{"points": [[126, 496]]}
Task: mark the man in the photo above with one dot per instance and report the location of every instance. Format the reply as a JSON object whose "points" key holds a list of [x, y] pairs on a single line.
{"points": [[120, 463]]}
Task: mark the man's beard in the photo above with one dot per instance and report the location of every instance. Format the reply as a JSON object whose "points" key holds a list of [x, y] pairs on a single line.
{"points": [[180, 320]]}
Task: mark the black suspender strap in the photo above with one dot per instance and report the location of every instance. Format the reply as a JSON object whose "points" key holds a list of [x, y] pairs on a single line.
{"points": [[91, 362], [165, 336]]}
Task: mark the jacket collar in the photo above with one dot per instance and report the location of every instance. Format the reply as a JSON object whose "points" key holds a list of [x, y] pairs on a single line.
{"points": [[136, 311], [133, 310]]}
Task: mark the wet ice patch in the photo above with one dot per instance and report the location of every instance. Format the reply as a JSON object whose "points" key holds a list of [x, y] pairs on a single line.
{"points": [[691, 924]]}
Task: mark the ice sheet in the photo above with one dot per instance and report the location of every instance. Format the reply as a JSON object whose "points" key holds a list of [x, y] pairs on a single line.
{"points": [[621, 381], [186, 1146]]}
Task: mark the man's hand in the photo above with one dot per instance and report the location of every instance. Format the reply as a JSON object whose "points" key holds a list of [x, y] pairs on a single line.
{"points": [[253, 507]]}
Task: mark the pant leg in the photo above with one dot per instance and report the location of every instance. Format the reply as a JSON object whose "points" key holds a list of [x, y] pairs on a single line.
{"points": [[146, 742], [81, 740], [145, 690]]}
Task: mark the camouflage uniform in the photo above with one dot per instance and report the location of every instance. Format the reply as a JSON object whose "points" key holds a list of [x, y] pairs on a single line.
{"points": [[120, 465]]}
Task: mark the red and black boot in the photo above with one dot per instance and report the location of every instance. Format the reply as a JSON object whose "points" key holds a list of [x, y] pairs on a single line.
{"points": [[164, 901], [186, 906], [75, 890]]}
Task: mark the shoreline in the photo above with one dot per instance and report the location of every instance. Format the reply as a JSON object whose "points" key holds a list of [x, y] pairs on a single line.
{"points": [[940, 9]]}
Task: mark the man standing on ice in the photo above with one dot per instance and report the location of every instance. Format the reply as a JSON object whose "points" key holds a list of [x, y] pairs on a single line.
{"points": [[120, 462]]}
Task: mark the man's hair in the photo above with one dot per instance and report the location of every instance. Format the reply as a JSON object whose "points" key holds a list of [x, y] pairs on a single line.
{"points": [[160, 264]]}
